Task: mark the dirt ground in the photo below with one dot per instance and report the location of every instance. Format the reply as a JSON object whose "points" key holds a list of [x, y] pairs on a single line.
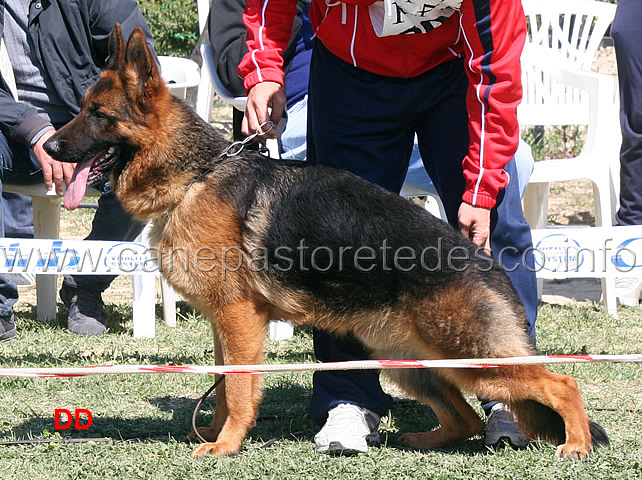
{"points": [[605, 61]]}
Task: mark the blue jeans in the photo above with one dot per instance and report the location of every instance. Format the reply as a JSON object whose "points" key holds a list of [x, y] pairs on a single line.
{"points": [[18, 215], [366, 123], [19, 166], [293, 138]]}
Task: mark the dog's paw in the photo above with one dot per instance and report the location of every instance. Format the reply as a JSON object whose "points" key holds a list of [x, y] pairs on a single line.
{"points": [[575, 452], [219, 449], [419, 441], [208, 433]]}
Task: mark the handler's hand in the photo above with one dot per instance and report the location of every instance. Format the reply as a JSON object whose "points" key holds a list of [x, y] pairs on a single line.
{"points": [[262, 96], [53, 172], [474, 223]]}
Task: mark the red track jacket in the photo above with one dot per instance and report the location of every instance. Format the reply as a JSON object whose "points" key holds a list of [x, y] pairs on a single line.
{"points": [[490, 35]]}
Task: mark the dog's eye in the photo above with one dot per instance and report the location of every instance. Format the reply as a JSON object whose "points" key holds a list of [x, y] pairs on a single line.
{"points": [[96, 112]]}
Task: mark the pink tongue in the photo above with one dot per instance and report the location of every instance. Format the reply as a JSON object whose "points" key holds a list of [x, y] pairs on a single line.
{"points": [[78, 186]]}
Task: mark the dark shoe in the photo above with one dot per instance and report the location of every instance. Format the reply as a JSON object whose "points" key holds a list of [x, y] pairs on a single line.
{"points": [[502, 427], [7, 329], [86, 311]]}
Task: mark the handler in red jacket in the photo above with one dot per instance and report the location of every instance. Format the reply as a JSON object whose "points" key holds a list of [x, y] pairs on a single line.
{"points": [[381, 72]]}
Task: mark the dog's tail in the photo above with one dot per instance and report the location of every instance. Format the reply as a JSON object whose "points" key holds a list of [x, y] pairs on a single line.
{"points": [[538, 421]]}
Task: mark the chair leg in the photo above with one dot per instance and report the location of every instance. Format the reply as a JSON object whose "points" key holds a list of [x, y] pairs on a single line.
{"points": [[169, 303], [144, 302], [608, 296], [46, 223], [540, 288], [535, 203], [144, 310], [434, 206], [280, 329], [604, 211], [144, 297], [273, 147], [605, 216], [204, 95]]}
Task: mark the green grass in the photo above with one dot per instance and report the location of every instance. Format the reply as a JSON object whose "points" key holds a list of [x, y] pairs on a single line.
{"points": [[162, 404]]}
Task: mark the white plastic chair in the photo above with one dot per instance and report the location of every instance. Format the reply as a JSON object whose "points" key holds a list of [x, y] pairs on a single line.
{"points": [[205, 93], [238, 102], [179, 74], [555, 93], [560, 89], [572, 28], [46, 219], [419, 184], [564, 36]]}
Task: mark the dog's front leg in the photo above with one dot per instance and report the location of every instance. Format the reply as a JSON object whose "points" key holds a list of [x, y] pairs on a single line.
{"points": [[240, 333], [220, 414]]}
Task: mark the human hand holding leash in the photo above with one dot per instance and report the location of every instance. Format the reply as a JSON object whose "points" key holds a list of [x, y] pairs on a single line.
{"points": [[53, 172], [261, 98], [474, 223]]}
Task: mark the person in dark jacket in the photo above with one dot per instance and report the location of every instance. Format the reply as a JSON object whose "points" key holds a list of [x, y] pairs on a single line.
{"points": [[50, 53], [227, 36]]}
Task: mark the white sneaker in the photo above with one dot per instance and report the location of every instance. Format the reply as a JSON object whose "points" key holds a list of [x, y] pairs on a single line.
{"points": [[349, 429], [502, 426], [627, 290]]}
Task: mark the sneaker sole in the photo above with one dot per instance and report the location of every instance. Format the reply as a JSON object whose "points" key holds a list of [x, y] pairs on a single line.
{"points": [[504, 440], [336, 448], [86, 328], [8, 337]]}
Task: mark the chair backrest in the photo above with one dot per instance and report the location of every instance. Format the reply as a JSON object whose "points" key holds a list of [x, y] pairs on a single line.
{"points": [[545, 100], [566, 32], [203, 10], [573, 28], [222, 92], [179, 74]]}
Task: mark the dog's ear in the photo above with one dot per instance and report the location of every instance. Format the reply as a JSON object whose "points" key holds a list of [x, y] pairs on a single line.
{"points": [[116, 48], [141, 64]]}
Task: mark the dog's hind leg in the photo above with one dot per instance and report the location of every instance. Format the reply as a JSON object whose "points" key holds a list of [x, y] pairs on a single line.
{"points": [[458, 421], [547, 405], [241, 329]]}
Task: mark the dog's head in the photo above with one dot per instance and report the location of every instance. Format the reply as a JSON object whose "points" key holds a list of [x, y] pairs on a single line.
{"points": [[116, 117]]}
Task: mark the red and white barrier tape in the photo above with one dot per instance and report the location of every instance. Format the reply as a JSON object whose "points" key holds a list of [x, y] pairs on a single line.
{"points": [[299, 367]]}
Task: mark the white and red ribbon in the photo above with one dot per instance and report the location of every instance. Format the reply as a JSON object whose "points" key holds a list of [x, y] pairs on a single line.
{"points": [[299, 367]]}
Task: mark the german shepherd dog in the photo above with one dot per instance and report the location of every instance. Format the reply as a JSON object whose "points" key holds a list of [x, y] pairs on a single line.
{"points": [[315, 245]]}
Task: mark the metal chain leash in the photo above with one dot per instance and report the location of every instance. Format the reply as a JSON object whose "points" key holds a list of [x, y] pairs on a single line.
{"points": [[237, 147]]}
